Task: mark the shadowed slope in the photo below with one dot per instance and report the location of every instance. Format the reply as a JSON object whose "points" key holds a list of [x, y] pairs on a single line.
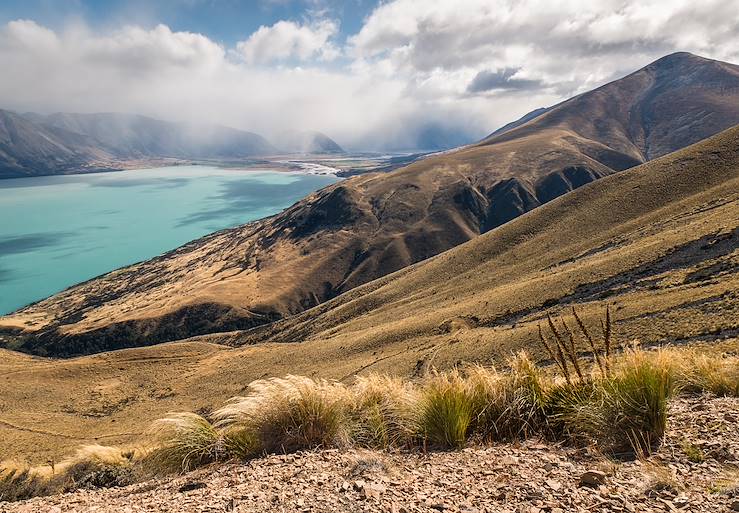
{"points": [[369, 226], [666, 261]]}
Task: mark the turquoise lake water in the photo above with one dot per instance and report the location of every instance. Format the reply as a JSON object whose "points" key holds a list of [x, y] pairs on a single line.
{"points": [[58, 231]]}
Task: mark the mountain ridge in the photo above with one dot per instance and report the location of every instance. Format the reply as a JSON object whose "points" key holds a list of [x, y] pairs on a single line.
{"points": [[369, 226]]}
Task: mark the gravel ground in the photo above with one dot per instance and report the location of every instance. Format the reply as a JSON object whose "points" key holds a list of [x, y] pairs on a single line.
{"points": [[697, 469]]}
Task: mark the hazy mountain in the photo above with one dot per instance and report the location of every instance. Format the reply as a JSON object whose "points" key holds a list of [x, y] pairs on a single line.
{"points": [[294, 141], [133, 136], [28, 148], [369, 226], [63, 143]]}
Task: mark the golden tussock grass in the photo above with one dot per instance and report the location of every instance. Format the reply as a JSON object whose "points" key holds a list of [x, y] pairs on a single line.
{"points": [[613, 398]]}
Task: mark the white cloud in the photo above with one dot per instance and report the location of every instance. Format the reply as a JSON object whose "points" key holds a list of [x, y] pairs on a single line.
{"points": [[566, 45], [415, 65], [289, 40]]}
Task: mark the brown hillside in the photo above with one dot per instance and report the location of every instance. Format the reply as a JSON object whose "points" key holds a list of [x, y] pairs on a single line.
{"points": [[369, 226], [658, 243]]}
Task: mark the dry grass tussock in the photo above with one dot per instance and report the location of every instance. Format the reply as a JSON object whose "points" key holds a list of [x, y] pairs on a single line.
{"points": [[92, 466], [613, 398]]}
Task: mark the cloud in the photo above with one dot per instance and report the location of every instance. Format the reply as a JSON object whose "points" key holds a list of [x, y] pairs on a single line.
{"points": [[289, 40], [414, 70], [570, 45], [503, 80]]}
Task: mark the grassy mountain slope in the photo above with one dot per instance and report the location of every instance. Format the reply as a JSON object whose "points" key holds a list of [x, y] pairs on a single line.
{"points": [[371, 225], [666, 260]]}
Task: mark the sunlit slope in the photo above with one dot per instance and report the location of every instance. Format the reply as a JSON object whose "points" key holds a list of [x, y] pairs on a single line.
{"points": [[369, 226], [658, 243]]}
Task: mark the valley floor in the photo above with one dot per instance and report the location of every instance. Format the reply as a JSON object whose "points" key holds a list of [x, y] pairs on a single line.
{"points": [[696, 470]]}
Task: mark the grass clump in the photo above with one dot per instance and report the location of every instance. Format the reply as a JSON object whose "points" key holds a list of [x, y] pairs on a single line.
{"points": [[289, 414], [632, 413], [445, 410], [184, 441], [697, 373], [622, 410], [508, 405], [92, 466], [382, 411]]}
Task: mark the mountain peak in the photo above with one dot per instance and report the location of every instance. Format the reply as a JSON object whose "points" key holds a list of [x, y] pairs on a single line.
{"points": [[679, 59]]}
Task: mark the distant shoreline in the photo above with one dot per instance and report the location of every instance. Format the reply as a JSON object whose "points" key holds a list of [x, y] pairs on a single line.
{"points": [[340, 165]]}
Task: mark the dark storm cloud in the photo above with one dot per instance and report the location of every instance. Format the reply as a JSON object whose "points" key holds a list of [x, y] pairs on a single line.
{"points": [[501, 80]]}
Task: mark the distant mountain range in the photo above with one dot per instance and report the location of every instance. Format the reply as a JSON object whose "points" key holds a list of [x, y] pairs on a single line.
{"points": [[369, 226], [33, 144]]}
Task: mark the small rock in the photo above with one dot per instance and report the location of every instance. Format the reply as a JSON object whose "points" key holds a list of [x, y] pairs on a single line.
{"points": [[554, 485], [188, 487], [373, 490], [734, 506], [593, 478]]}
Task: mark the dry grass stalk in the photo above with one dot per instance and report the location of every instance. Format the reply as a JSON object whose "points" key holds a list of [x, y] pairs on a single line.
{"points": [[561, 349], [572, 351], [591, 342], [552, 355]]}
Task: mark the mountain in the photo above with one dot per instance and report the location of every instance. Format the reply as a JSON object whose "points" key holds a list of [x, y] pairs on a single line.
{"points": [[657, 243], [307, 142], [134, 136], [369, 226], [34, 145], [665, 260], [28, 148], [520, 121]]}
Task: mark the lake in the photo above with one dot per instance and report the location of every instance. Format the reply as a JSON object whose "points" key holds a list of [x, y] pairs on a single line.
{"points": [[61, 230]]}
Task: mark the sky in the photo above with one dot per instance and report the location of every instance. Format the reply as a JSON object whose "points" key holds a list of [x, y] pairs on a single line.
{"points": [[370, 74]]}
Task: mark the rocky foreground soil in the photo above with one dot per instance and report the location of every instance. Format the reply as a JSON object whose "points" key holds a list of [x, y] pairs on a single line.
{"points": [[696, 469]]}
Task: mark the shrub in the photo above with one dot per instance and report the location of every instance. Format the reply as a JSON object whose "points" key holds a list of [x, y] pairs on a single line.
{"points": [[19, 483], [92, 466]]}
